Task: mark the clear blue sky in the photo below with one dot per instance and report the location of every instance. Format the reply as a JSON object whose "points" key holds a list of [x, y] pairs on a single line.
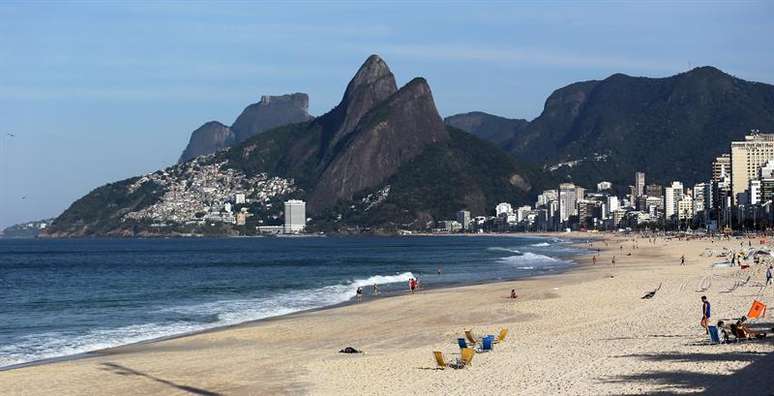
{"points": [[100, 91]]}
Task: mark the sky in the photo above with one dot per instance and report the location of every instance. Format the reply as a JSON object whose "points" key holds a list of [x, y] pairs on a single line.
{"points": [[95, 92]]}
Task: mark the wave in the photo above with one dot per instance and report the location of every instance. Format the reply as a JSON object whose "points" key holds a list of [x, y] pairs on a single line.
{"points": [[503, 249], [541, 244], [187, 319], [530, 258]]}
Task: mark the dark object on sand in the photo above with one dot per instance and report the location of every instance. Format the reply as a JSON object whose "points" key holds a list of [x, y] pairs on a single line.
{"points": [[350, 350], [651, 294]]}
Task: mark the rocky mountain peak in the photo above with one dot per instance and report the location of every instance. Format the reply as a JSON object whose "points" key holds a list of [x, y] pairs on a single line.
{"points": [[211, 137], [372, 84], [387, 137]]}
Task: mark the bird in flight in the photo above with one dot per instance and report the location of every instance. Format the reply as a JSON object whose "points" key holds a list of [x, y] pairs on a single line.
{"points": [[10, 134]]}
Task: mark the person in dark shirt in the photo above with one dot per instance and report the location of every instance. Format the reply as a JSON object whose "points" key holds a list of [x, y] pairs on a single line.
{"points": [[706, 313]]}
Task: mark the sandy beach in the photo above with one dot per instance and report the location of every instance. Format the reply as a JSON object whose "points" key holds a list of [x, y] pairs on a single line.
{"points": [[578, 332]]}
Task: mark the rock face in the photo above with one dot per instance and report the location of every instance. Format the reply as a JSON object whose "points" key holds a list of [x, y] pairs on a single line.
{"points": [[496, 129], [270, 112], [372, 84], [207, 139], [390, 135]]}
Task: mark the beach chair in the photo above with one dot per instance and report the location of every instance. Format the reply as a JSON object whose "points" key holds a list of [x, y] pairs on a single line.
{"points": [[467, 357], [713, 335], [501, 337], [461, 342], [757, 310], [486, 343], [440, 360], [469, 336]]}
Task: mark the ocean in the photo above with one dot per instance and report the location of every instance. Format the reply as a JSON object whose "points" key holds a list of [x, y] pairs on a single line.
{"points": [[66, 297]]}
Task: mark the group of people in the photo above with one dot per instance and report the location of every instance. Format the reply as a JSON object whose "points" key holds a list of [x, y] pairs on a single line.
{"points": [[739, 329]]}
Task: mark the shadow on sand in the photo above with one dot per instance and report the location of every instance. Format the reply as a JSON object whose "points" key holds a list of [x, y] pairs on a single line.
{"points": [[756, 378], [122, 370]]}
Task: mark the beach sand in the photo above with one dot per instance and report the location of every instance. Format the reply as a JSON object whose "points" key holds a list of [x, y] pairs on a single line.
{"points": [[579, 332]]}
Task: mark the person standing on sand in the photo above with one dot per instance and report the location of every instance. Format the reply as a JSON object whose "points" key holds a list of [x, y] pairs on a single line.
{"points": [[375, 290], [682, 260], [359, 294], [612, 267], [769, 274], [706, 313], [594, 260]]}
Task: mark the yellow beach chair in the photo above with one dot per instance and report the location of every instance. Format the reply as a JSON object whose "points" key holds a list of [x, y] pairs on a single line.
{"points": [[439, 360], [501, 336], [467, 357]]}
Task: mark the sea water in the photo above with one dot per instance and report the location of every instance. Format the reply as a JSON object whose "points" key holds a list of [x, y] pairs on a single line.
{"points": [[65, 297]]}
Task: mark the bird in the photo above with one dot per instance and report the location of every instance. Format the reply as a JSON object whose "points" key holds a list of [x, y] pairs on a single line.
{"points": [[10, 134]]}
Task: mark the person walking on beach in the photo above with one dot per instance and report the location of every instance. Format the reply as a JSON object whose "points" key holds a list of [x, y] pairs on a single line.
{"points": [[375, 289], [682, 260], [594, 260], [769, 274], [706, 313], [359, 294]]}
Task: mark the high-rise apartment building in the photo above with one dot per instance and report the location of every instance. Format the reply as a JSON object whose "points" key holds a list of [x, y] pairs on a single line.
{"points": [[747, 158], [721, 166], [295, 216], [639, 183], [568, 200], [672, 196], [463, 217]]}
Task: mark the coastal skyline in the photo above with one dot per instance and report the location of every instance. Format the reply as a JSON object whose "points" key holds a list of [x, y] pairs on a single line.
{"points": [[122, 86]]}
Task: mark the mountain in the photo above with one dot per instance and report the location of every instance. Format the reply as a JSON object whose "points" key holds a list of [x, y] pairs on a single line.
{"points": [[382, 158], [670, 127], [270, 112], [489, 127], [207, 139]]}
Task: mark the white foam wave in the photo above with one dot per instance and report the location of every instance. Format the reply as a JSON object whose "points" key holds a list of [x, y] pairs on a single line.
{"points": [[503, 249], [227, 312], [530, 258], [541, 244]]}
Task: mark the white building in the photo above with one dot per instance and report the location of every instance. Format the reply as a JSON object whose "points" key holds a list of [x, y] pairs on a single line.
{"points": [[639, 183], [522, 213], [672, 196], [295, 216], [503, 207], [755, 192], [612, 204], [604, 185], [747, 158], [568, 201]]}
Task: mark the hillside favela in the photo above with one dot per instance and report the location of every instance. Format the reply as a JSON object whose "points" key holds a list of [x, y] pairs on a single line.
{"points": [[428, 198]]}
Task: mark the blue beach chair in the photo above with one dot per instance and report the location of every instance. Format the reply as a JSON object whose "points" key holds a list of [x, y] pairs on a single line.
{"points": [[461, 342], [713, 334], [487, 343]]}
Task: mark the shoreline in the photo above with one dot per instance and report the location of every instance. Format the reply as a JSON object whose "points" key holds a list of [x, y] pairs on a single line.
{"points": [[574, 258], [580, 333]]}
